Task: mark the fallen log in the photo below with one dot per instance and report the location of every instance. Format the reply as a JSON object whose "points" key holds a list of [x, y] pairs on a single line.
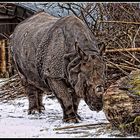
{"points": [[122, 104]]}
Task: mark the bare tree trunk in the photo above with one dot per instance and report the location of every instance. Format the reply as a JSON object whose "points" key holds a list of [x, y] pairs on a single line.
{"points": [[8, 59]]}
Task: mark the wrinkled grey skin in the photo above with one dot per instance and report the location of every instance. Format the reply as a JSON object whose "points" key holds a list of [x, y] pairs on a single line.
{"points": [[59, 55]]}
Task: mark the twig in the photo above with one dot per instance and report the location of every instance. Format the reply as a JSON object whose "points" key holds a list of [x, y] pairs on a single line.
{"points": [[130, 64], [124, 22], [133, 42], [9, 78], [117, 66], [121, 67], [77, 126], [123, 50]]}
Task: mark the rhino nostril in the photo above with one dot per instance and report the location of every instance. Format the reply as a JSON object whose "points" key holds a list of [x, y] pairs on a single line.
{"points": [[99, 88]]}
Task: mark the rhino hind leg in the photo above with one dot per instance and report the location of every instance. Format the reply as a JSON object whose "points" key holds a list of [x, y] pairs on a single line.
{"points": [[35, 96], [40, 100], [60, 90]]}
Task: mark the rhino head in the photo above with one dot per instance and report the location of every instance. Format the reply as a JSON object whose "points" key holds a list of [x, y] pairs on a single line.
{"points": [[91, 79]]}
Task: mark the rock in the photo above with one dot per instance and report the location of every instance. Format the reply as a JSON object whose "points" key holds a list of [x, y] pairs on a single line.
{"points": [[122, 104]]}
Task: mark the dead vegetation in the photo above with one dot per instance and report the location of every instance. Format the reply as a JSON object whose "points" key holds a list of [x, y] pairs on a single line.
{"points": [[11, 89]]}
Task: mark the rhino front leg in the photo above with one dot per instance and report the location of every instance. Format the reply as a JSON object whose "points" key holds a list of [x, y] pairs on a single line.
{"points": [[76, 101], [60, 90], [35, 96]]}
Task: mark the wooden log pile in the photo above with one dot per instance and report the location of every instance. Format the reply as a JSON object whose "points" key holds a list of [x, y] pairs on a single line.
{"points": [[5, 59], [11, 89]]}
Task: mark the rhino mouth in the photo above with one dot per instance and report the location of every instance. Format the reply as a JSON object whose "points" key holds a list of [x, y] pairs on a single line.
{"points": [[94, 102], [95, 105]]}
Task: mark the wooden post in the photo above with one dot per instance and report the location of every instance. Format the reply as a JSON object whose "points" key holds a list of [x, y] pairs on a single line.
{"points": [[7, 57], [2, 57]]}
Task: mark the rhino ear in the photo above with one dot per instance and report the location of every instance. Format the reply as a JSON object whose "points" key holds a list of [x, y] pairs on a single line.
{"points": [[102, 48], [81, 53]]}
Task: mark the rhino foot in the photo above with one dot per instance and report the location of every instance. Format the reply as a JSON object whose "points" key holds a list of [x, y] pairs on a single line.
{"points": [[32, 111], [39, 109], [42, 107], [71, 120], [78, 117]]}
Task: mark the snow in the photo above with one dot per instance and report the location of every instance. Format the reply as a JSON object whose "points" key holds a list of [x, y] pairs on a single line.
{"points": [[16, 123]]}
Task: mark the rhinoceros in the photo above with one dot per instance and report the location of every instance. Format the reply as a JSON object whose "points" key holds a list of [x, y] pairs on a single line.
{"points": [[60, 55]]}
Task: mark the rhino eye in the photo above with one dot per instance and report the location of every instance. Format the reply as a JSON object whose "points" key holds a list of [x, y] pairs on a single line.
{"points": [[90, 84], [93, 56], [84, 63], [85, 58]]}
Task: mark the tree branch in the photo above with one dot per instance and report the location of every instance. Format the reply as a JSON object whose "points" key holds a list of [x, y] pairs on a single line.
{"points": [[79, 126], [123, 22]]}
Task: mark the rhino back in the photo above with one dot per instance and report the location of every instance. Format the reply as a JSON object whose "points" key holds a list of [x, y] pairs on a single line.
{"points": [[26, 38]]}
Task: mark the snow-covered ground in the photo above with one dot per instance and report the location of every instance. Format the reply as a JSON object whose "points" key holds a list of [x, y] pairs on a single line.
{"points": [[15, 123]]}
